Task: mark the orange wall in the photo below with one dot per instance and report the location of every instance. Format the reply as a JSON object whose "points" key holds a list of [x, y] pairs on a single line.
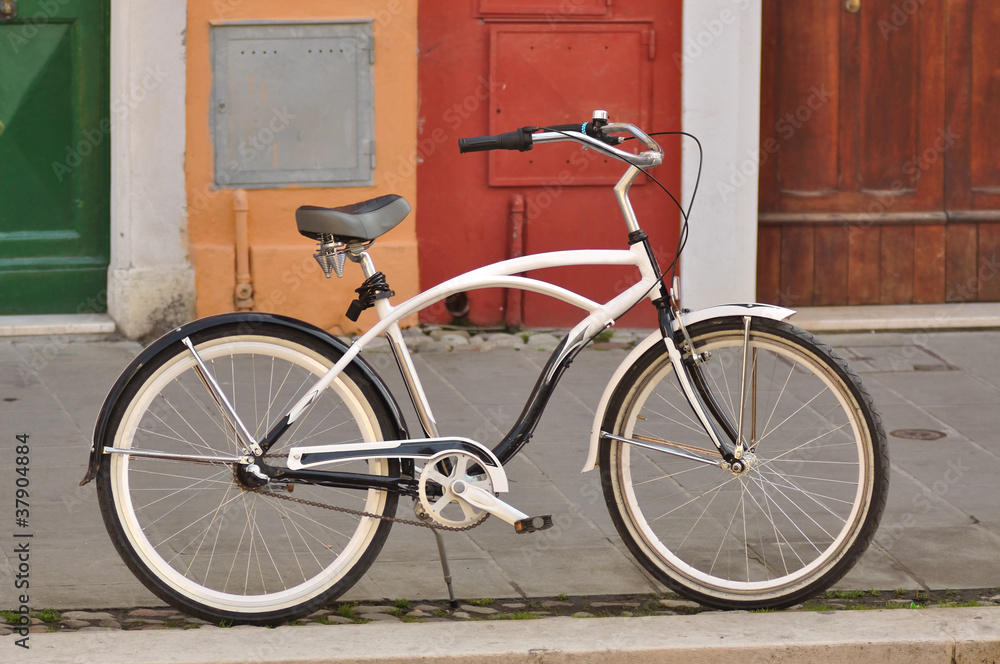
{"points": [[286, 278]]}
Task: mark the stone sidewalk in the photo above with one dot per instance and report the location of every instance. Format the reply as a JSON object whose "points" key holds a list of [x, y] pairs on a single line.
{"points": [[939, 394]]}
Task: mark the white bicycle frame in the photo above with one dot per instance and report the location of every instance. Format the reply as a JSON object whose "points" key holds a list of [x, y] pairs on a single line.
{"points": [[502, 275], [505, 275]]}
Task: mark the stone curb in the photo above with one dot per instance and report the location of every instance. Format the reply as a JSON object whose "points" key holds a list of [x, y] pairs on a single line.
{"points": [[959, 636]]}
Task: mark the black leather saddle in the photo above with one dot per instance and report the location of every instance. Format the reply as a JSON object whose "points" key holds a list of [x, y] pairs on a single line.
{"points": [[359, 221]]}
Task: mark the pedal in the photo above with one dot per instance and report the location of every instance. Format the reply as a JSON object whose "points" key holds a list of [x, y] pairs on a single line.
{"points": [[533, 524]]}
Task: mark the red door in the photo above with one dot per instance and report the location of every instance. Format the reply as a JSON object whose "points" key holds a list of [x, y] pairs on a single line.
{"points": [[488, 66]]}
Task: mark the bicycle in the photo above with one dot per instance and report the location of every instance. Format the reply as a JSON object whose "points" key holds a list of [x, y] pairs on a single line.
{"points": [[249, 466]]}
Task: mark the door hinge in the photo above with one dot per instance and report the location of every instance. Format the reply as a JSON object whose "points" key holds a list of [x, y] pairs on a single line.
{"points": [[651, 43]]}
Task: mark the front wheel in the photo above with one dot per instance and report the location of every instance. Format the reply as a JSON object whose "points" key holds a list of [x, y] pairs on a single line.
{"points": [[803, 512], [203, 534]]}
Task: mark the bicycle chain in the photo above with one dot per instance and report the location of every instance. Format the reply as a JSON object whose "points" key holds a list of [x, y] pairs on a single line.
{"points": [[347, 510]]}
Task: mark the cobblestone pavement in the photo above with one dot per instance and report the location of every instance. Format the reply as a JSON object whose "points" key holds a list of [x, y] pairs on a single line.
{"points": [[562, 606]]}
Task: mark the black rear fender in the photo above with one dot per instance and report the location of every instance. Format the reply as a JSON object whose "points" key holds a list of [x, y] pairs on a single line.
{"points": [[251, 321]]}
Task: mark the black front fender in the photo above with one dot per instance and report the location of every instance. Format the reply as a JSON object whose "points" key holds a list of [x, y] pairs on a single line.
{"points": [[249, 319]]}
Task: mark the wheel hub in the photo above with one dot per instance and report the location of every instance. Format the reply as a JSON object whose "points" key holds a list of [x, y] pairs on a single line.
{"points": [[744, 465], [250, 476]]}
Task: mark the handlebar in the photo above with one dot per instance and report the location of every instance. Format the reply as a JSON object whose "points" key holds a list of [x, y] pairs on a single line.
{"points": [[519, 139], [596, 134]]}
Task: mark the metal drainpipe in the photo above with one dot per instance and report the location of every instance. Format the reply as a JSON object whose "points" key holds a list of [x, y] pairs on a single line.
{"points": [[514, 300], [243, 295]]}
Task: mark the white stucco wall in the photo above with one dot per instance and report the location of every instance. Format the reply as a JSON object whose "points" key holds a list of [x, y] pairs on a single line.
{"points": [[721, 106], [150, 281]]}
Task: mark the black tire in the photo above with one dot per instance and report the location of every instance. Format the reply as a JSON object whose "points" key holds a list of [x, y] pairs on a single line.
{"points": [[192, 532], [789, 527]]}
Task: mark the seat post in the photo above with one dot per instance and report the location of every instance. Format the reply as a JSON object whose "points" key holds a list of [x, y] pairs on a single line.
{"points": [[400, 352]]}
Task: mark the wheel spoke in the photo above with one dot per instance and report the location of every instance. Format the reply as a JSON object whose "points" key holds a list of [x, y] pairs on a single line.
{"points": [[195, 530], [764, 532]]}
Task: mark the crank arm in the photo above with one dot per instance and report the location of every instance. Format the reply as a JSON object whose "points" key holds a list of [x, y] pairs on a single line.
{"points": [[487, 502]]}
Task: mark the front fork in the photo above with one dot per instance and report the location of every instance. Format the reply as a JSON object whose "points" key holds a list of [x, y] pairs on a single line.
{"points": [[686, 362]]}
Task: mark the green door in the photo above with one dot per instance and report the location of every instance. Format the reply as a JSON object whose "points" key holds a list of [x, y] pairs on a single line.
{"points": [[54, 157]]}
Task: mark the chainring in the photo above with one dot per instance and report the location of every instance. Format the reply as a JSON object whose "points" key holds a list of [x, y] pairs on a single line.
{"points": [[436, 497]]}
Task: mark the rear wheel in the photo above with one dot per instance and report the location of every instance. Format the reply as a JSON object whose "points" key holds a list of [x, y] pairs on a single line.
{"points": [[207, 537], [802, 514]]}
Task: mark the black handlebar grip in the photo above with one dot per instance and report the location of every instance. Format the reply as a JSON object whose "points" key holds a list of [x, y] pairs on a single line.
{"points": [[519, 139]]}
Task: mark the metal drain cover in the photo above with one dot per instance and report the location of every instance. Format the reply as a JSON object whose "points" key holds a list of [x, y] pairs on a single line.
{"points": [[917, 434]]}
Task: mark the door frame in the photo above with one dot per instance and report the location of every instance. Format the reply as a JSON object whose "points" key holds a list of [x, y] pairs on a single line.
{"points": [[150, 280]]}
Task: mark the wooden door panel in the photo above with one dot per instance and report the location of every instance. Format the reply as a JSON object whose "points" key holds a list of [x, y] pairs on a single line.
{"points": [[849, 108], [864, 255], [888, 75], [973, 158], [928, 263], [805, 113], [984, 136], [961, 280], [831, 265], [896, 263]]}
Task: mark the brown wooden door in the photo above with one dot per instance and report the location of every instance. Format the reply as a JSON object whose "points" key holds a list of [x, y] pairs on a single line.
{"points": [[874, 185]]}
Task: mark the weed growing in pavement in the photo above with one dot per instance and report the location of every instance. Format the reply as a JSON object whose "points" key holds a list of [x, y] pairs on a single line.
{"points": [[347, 611], [517, 615], [953, 605], [481, 602], [48, 615], [844, 594]]}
